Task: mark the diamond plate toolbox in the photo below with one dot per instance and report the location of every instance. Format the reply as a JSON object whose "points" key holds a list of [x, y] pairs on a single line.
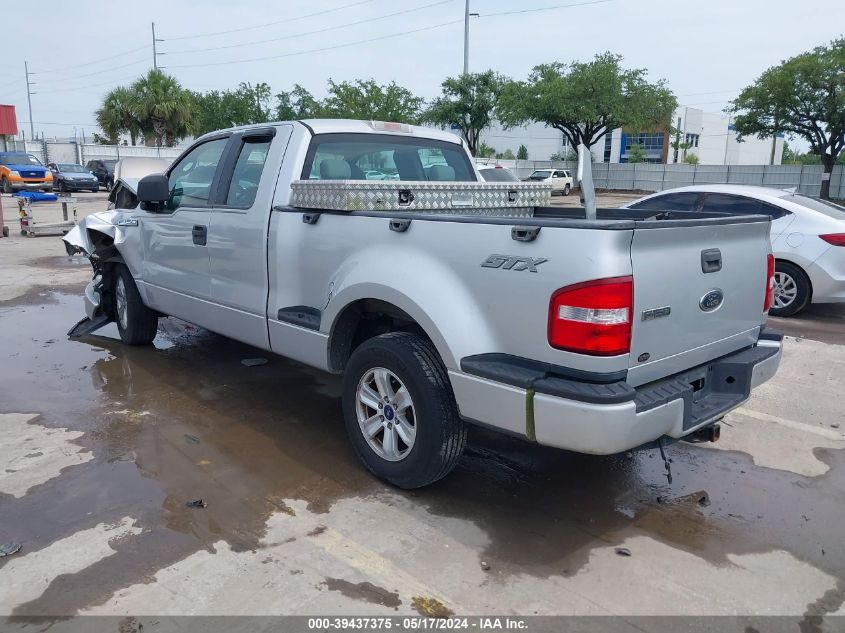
{"points": [[463, 198]]}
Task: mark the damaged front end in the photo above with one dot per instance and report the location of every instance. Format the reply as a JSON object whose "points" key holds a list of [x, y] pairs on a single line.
{"points": [[99, 238]]}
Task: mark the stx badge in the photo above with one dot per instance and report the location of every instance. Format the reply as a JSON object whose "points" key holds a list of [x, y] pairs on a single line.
{"points": [[513, 263]]}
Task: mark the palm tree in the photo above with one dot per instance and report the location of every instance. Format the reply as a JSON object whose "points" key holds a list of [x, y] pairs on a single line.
{"points": [[117, 116], [163, 107]]}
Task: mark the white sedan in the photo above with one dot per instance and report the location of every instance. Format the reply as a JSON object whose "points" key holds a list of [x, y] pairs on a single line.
{"points": [[808, 236]]}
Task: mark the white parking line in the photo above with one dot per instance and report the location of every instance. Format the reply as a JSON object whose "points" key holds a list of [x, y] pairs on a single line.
{"points": [[829, 434]]}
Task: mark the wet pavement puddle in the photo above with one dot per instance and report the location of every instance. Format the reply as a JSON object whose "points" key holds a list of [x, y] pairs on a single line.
{"points": [[185, 420]]}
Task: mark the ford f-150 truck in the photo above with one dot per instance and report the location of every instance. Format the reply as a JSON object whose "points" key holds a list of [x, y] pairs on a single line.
{"points": [[594, 335]]}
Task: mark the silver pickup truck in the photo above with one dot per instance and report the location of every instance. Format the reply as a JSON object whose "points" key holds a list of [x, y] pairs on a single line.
{"points": [[593, 335]]}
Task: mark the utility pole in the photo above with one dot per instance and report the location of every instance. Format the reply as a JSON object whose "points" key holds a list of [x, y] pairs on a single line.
{"points": [[466, 38], [155, 53], [29, 84], [467, 16]]}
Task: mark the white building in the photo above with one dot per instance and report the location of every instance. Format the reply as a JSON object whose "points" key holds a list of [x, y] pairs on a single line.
{"points": [[710, 135]]}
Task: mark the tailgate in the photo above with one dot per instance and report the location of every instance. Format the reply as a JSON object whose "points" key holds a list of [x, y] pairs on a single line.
{"points": [[699, 288]]}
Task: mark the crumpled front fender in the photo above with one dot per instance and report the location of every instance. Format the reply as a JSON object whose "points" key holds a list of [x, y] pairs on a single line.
{"points": [[78, 239]]}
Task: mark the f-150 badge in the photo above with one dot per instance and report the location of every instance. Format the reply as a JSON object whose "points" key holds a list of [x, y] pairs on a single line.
{"points": [[513, 263]]}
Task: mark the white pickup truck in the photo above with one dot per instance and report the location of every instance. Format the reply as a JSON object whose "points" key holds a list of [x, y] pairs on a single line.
{"points": [[593, 335]]}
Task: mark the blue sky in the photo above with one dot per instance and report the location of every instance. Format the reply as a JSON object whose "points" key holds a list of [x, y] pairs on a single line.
{"points": [[706, 49]]}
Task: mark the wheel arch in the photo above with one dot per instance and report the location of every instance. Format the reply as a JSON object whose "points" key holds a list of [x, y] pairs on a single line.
{"points": [[803, 269]]}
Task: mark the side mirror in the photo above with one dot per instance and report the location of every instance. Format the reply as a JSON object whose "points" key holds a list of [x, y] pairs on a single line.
{"points": [[153, 192]]}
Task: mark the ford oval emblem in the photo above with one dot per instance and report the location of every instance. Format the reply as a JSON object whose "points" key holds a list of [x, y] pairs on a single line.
{"points": [[711, 300]]}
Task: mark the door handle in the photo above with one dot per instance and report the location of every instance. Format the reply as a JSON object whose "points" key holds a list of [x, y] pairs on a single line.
{"points": [[199, 234], [711, 260]]}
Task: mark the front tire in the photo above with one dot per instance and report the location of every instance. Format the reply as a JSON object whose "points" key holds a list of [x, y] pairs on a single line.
{"points": [[136, 323], [792, 290], [400, 412], [566, 190], [5, 186]]}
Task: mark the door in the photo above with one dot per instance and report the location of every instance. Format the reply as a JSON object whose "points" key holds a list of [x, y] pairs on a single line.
{"points": [[558, 180], [237, 237], [175, 271]]}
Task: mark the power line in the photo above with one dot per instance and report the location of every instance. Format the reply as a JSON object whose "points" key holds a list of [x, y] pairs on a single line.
{"points": [[325, 48], [109, 58], [82, 88], [538, 9], [98, 72], [266, 24], [323, 30]]}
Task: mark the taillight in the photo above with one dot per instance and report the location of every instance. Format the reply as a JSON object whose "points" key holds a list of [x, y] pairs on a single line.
{"points": [[770, 282], [837, 239], [593, 317]]}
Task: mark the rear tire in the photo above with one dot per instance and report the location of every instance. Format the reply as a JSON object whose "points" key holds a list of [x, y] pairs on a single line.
{"points": [[5, 186], [136, 323], [792, 290], [566, 190], [419, 413]]}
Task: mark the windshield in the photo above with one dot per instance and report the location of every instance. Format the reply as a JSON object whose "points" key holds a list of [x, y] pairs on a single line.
{"points": [[830, 209], [110, 163], [72, 168], [19, 159], [492, 174], [540, 174]]}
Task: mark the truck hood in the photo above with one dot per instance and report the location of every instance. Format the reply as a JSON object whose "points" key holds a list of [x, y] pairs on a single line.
{"points": [[110, 223], [35, 170]]}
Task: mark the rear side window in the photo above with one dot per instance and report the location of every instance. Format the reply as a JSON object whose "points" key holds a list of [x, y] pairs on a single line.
{"points": [[247, 175], [740, 205], [492, 174], [683, 201], [385, 157]]}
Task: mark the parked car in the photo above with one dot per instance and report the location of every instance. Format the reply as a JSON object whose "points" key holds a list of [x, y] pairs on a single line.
{"points": [[808, 236], [495, 173], [103, 169], [73, 177], [569, 332], [561, 179], [20, 171]]}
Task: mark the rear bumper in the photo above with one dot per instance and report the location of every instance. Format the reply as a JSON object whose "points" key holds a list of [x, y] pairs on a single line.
{"points": [[612, 417], [827, 274]]}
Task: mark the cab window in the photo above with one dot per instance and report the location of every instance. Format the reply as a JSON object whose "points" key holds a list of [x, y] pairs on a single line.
{"points": [[190, 179], [247, 175], [385, 157]]}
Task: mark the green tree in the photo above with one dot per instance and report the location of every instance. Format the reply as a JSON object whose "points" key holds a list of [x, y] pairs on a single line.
{"points": [[804, 96], [297, 104], [117, 116], [691, 159], [367, 100], [567, 155], [163, 108], [469, 102], [522, 153], [636, 154], [485, 151], [585, 100], [221, 109], [506, 155]]}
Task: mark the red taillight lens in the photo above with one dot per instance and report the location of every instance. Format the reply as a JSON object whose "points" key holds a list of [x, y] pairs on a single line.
{"points": [[770, 282], [593, 317], [837, 239]]}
